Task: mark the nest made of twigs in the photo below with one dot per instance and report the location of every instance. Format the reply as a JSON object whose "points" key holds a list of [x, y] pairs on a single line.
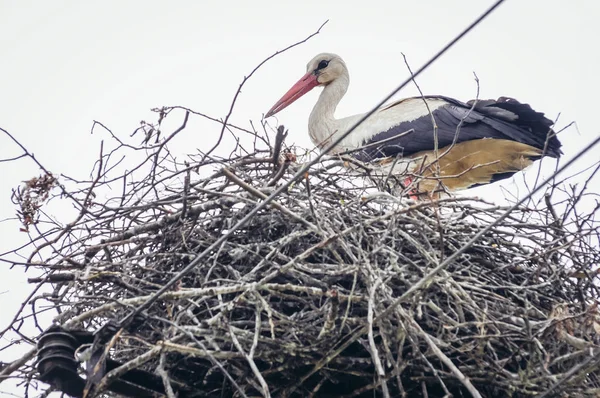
{"points": [[315, 295]]}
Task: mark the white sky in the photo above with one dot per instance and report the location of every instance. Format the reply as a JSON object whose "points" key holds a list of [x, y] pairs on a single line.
{"points": [[66, 63]]}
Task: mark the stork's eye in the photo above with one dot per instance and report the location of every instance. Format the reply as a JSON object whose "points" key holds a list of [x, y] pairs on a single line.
{"points": [[323, 64]]}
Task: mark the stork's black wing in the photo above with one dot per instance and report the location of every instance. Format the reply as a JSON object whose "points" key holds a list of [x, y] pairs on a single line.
{"points": [[504, 118]]}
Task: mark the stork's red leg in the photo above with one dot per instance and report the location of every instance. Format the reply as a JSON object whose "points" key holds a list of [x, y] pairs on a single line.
{"points": [[412, 194]]}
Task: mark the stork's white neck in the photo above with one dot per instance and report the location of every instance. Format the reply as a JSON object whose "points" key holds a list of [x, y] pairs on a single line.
{"points": [[322, 123]]}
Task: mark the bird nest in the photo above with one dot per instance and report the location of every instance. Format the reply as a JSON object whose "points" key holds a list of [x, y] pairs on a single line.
{"points": [[334, 288]]}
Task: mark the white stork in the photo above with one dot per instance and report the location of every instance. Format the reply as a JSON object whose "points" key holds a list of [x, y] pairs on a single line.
{"points": [[496, 138]]}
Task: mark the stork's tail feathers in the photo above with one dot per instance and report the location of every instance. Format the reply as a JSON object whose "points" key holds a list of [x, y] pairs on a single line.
{"points": [[523, 116]]}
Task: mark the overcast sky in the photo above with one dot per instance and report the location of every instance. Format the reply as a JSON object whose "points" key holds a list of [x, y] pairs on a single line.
{"points": [[66, 63]]}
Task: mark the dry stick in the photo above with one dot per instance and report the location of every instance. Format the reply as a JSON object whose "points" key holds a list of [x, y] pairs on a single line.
{"points": [[261, 195], [447, 361], [13, 158], [15, 365], [193, 112], [425, 280], [279, 174], [81, 214], [165, 376], [32, 156], [595, 356], [263, 384], [433, 122], [239, 90], [302, 171], [279, 137], [208, 292], [171, 136], [544, 150], [437, 156], [204, 352], [372, 346], [65, 230]]}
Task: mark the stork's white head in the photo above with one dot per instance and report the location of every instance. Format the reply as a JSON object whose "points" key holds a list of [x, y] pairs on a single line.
{"points": [[320, 71], [326, 67]]}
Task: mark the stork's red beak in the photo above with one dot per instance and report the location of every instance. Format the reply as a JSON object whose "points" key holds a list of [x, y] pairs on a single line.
{"points": [[303, 86]]}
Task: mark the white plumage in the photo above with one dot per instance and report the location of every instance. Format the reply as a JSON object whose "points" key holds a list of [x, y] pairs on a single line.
{"points": [[482, 143]]}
